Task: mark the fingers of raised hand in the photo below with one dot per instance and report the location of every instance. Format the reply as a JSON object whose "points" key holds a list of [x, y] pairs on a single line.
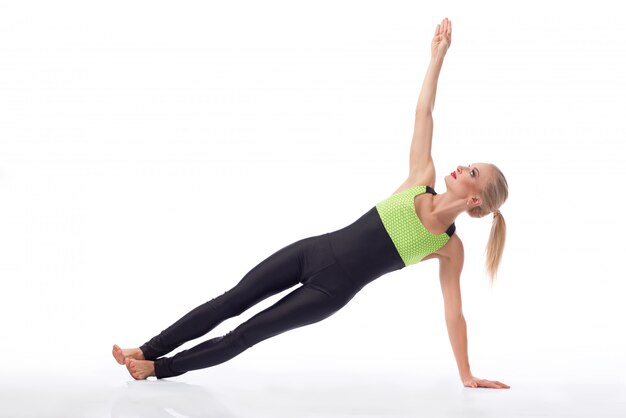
{"points": [[447, 27], [444, 28]]}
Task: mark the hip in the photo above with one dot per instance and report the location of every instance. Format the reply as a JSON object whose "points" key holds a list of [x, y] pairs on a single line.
{"points": [[364, 249]]}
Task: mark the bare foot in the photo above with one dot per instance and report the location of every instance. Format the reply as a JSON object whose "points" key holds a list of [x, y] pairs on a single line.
{"points": [[120, 354], [140, 369]]}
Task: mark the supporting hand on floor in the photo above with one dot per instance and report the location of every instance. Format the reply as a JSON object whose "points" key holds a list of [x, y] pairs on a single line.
{"points": [[474, 382]]}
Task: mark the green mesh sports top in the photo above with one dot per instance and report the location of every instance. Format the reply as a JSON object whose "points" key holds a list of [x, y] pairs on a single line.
{"points": [[412, 240]]}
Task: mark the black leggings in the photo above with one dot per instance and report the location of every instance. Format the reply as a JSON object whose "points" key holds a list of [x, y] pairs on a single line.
{"points": [[329, 270]]}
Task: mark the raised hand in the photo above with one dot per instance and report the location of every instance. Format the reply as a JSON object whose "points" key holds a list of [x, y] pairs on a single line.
{"points": [[442, 39]]}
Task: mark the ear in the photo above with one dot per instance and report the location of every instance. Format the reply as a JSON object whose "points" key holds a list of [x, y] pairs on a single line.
{"points": [[474, 201]]}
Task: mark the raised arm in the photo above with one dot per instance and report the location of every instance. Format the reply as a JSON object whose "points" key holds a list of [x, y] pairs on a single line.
{"points": [[420, 160]]}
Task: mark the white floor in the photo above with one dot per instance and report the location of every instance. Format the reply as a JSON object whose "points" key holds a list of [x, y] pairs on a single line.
{"points": [[235, 392]]}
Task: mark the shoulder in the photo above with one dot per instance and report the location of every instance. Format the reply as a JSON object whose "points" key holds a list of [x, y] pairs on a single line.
{"points": [[453, 248], [424, 176], [421, 177], [452, 252]]}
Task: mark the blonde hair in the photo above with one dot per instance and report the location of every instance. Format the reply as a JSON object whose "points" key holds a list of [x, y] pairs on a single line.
{"points": [[494, 195]]}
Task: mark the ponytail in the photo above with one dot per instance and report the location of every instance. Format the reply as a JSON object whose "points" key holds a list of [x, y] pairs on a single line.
{"points": [[494, 195], [495, 245]]}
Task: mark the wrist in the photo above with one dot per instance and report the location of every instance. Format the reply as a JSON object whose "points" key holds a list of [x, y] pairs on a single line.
{"points": [[466, 376], [437, 59]]}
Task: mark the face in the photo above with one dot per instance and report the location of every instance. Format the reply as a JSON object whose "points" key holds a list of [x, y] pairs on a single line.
{"points": [[467, 181]]}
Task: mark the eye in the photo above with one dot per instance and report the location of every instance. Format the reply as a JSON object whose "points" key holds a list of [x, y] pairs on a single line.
{"points": [[472, 174]]}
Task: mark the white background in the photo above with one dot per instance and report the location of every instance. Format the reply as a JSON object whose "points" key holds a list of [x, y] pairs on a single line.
{"points": [[152, 153]]}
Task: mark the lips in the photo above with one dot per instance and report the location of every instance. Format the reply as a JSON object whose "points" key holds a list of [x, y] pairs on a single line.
{"points": [[453, 174]]}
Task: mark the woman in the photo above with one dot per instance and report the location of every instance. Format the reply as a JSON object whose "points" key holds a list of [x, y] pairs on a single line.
{"points": [[414, 224]]}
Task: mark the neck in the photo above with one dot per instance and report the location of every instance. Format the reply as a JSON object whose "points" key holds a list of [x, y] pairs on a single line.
{"points": [[447, 207]]}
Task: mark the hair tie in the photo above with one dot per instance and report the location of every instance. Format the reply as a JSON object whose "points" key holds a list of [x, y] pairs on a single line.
{"points": [[496, 213]]}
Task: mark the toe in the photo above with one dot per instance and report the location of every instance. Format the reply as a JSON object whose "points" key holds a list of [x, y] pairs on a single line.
{"points": [[119, 357]]}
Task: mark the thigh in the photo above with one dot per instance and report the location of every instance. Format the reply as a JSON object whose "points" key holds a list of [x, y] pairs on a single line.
{"points": [[304, 306], [278, 272]]}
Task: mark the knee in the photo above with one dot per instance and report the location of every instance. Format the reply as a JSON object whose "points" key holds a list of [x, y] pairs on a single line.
{"points": [[228, 304], [239, 338]]}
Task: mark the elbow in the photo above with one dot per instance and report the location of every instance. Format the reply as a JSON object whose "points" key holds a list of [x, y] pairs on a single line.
{"points": [[453, 316], [424, 110]]}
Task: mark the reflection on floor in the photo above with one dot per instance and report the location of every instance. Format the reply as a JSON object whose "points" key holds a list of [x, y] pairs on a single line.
{"points": [[233, 392]]}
